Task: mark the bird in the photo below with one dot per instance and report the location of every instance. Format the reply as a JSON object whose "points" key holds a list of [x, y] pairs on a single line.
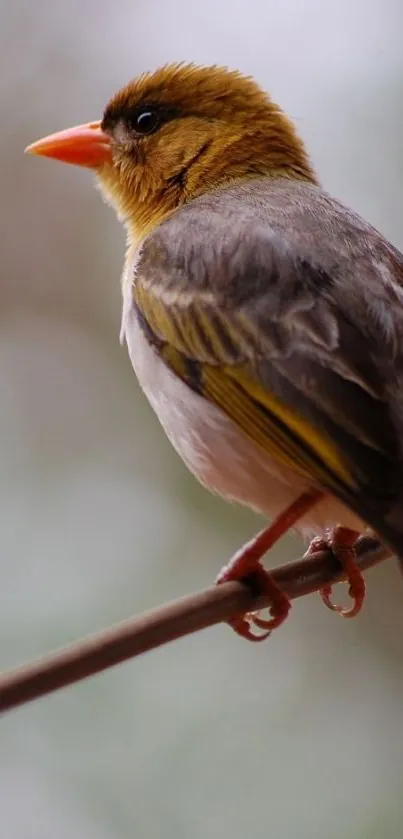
{"points": [[263, 318]]}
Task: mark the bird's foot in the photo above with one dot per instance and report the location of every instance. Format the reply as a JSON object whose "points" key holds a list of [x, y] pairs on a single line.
{"points": [[341, 541], [245, 566]]}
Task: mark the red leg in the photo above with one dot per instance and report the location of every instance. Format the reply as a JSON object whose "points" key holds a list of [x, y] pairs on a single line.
{"points": [[341, 541], [246, 565]]}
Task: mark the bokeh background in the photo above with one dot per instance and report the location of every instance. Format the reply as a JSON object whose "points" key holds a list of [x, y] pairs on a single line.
{"points": [[209, 737]]}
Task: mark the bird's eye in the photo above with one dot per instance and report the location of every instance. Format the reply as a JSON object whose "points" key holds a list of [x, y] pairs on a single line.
{"points": [[145, 122]]}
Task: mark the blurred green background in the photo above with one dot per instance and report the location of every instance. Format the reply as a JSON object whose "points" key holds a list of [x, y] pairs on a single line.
{"points": [[209, 737]]}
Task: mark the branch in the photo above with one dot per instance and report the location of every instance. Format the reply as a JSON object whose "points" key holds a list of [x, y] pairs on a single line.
{"points": [[173, 620]]}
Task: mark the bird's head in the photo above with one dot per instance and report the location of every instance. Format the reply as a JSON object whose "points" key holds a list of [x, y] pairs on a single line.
{"points": [[171, 135]]}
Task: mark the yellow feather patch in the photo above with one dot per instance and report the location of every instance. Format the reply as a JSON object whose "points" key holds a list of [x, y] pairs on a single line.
{"points": [[320, 445], [284, 435], [274, 428], [200, 334], [208, 340]]}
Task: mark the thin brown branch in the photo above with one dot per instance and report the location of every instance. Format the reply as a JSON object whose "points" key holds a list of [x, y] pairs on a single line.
{"points": [[171, 621]]}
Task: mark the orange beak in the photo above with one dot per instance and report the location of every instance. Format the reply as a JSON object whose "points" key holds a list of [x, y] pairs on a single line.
{"points": [[83, 145]]}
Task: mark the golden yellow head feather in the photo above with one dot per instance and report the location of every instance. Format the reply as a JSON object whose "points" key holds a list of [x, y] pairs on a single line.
{"points": [[212, 126]]}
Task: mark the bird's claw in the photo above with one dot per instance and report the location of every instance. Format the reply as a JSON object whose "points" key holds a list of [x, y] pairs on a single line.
{"points": [[341, 541], [243, 627], [251, 572]]}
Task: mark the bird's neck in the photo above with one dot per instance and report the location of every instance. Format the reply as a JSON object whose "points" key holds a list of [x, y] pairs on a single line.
{"points": [[249, 154], [223, 160]]}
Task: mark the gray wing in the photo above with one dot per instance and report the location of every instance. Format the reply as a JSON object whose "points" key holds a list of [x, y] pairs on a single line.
{"points": [[286, 284]]}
